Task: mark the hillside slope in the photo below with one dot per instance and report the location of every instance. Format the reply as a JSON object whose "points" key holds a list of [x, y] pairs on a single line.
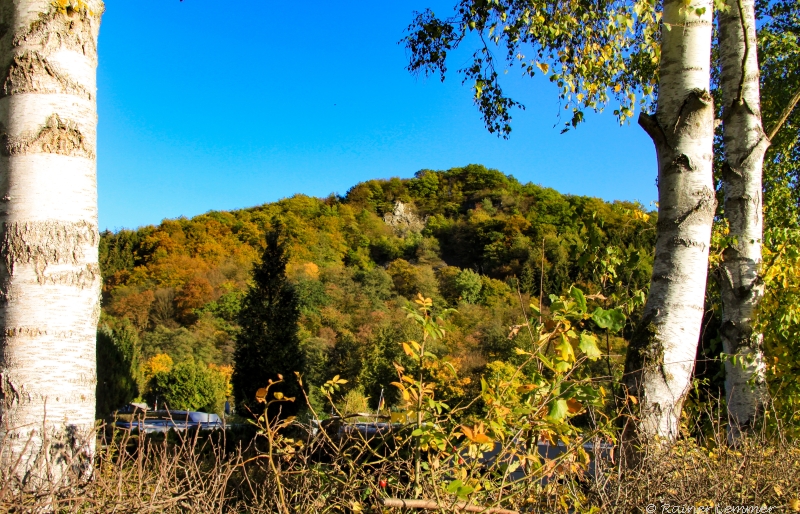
{"points": [[469, 237]]}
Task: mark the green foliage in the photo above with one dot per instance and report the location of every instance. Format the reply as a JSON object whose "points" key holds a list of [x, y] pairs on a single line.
{"points": [[410, 280], [540, 398], [778, 319], [118, 372], [592, 52], [188, 386], [468, 284], [267, 344], [612, 320], [779, 57], [183, 343]]}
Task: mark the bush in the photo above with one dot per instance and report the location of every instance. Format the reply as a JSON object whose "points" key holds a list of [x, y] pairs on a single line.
{"points": [[189, 386], [439, 458]]}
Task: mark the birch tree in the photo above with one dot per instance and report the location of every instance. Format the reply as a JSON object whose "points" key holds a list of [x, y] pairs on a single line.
{"points": [[660, 359], [50, 279], [772, 327], [597, 51], [744, 144]]}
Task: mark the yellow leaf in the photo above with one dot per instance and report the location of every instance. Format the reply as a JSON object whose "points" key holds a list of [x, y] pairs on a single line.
{"points": [[794, 504], [565, 349], [407, 350], [633, 399], [543, 66]]}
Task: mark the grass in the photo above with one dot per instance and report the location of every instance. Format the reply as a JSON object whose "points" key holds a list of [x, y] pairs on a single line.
{"points": [[289, 470]]}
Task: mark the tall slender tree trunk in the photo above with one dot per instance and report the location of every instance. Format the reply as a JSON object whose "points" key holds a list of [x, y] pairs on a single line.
{"points": [[49, 276], [660, 359], [744, 144]]}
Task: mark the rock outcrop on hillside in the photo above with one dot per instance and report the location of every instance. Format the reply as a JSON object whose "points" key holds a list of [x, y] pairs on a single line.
{"points": [[403, 220]]}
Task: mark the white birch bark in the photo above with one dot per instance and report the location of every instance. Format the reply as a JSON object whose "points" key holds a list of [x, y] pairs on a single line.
{"points": [[661, 356], [49, 275], [744, 143]]}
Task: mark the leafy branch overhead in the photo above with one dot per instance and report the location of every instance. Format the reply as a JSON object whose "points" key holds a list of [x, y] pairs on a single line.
{"points": [[595, 52]]}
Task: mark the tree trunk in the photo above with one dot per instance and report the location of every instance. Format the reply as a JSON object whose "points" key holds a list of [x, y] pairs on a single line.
{"points": [[50, 279], [660, 359], [745, 144]]}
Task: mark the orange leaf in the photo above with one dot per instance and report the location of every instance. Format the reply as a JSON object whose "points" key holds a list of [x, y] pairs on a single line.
{"points": [[261, 395], [482, 439]]}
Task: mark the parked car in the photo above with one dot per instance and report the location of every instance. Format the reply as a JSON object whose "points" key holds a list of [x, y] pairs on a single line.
{"points": [[150, 422]]}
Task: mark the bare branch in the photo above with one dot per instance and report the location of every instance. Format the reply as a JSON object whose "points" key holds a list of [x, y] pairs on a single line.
{"points": [[773, 131]]}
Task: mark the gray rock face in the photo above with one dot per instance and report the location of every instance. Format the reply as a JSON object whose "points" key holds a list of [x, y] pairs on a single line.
{"points": [[403, 220]]}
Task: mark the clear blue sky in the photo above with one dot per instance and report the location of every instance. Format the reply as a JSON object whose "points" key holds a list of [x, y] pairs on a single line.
{"points": [[207, 105]]}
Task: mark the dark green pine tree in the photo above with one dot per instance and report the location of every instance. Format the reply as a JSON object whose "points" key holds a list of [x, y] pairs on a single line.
{"points": [[268, 344]]}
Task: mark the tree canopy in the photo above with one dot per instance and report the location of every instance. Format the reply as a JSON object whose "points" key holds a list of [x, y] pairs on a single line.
{"points": [[481, 240]]}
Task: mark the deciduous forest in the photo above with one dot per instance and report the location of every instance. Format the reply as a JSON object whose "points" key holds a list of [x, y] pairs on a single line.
{"points": [[469, 238]]}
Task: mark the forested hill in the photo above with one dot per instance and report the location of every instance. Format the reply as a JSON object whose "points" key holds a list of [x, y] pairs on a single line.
{"points": [[469, 237]]}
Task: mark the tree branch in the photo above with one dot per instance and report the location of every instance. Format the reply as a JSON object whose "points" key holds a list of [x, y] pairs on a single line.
{"points": [[746, 37], [650, 125], [784, 116], [433, 505]]}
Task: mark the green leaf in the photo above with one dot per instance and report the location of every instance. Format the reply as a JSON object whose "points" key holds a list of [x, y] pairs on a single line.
{"points": [[580, 300], [561, 366], [454, 486], [588, 345], [542, 358], [465, 491], [612, 320], [558, 409]]}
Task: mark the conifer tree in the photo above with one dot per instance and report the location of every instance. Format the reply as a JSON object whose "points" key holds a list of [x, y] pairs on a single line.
{"points": [[268, 344], [118, 376]]}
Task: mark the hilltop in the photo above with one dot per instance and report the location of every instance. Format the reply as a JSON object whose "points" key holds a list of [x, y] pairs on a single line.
{"points": [[469, 237]]}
